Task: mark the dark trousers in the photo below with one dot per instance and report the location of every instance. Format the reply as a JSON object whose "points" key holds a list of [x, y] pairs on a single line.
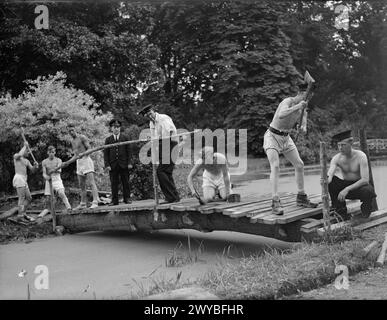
{"points": [[115, 175], [365, 194], [165, 169]]}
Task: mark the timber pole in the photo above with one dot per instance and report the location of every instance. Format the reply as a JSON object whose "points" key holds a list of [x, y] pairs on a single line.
{"points": [[364, 148], [52, 204], [324, 186]]}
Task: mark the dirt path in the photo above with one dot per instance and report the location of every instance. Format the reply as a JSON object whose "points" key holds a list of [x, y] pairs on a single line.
{"points": [[371, 284]]}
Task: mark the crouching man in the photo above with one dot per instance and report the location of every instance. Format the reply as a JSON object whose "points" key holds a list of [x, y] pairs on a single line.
{"points": [[216, 175], [355, 183], [51, 171]]}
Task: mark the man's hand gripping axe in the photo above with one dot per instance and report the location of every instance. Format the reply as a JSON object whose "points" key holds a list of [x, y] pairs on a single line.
{"points": [[301, 124]]}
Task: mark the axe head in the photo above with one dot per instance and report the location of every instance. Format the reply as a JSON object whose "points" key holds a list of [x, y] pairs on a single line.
{"points": [[308, 78]]}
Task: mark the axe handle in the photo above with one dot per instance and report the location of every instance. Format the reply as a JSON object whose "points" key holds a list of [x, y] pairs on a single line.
{"points": [[28, 146], [307, 99]]}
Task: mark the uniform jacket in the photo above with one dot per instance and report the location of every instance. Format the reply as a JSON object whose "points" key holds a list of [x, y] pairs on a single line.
{"points": [[117, 156]]}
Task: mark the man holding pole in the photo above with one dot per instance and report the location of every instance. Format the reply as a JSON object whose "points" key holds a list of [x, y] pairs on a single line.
{"points": [[85, 169], [20, 179], [51, 171], [355, 183], [277, 140], [162, 128]]}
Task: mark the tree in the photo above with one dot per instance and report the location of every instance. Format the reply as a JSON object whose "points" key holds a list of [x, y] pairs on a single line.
{"points": [[45, 110]]}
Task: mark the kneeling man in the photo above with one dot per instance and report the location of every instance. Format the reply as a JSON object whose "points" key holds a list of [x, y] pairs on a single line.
{"points": [[216, 176], [355, 183]]}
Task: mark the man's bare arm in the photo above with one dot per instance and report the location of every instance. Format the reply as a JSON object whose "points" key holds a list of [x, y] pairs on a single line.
{"points": [[226, 178], [332, 168], [44, 169], [195, 170], [85, 142], [287, 109], [364, 174]]}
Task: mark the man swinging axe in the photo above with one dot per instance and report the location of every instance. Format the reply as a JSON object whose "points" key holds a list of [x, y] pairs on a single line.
{"points": [[277, 140]]}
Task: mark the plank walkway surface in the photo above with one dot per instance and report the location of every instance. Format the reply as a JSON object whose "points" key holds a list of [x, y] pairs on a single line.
{"points": [[257, 209]]}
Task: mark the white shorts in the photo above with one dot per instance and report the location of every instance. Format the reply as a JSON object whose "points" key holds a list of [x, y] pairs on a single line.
{"points": [[282, 144], [213, 181], [57, 185], [84, 166], [19, 181]]}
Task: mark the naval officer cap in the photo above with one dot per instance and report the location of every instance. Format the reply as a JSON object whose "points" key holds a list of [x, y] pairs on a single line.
{"points": [[115, 123], [146, 109], [342, 136]]}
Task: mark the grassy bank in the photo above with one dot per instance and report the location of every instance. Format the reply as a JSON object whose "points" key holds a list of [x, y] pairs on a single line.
{"points": [[275, 274]]}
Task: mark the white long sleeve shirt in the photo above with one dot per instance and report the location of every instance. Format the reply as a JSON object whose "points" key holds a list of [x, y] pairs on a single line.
{"points": [[163, 127]]}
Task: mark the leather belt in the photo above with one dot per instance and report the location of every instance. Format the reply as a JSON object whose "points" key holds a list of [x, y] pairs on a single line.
{"points": [[281, 133]]}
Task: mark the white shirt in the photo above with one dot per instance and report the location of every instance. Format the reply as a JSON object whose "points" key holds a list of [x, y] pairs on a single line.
{"points": [[116, 137], [162, 127]]}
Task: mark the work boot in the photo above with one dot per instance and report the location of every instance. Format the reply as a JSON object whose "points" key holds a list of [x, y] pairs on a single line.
{"points": [[93, 205], [81, 206], [276, 206], [303, 201]]}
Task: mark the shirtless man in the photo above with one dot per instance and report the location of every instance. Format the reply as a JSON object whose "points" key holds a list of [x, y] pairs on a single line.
{"points": [[20, 179], [277, 140], [51, 170], [85, 169], [216, 176], [355, 185]]}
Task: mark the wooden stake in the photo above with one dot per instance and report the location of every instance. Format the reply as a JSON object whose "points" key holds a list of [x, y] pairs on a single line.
{"points": [[382, 254], [52, 205], [154, 168], [364, 148], [324, 186]]}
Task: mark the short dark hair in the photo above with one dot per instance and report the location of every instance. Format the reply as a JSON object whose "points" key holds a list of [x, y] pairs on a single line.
{"points": [[302, 86], [51, 148]]}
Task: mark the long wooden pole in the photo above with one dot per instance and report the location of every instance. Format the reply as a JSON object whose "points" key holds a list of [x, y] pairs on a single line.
{"points": [[324, 186], [122, 143]]}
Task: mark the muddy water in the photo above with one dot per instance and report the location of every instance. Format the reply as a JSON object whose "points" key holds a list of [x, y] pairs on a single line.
{"points": [[114, 265]]}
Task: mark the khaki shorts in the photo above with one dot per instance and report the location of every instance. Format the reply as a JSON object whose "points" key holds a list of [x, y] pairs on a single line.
{"points": [[19, 181], [282, 144], [213, 181], [57, 185], [84, 166]]}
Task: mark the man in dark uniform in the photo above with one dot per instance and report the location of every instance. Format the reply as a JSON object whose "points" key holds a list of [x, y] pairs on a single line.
{"points": [[117, 162], [162, 128], [355, 183]]}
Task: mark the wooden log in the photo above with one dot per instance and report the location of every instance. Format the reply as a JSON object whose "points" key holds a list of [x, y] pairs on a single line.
{"points": [[382, 255], [368, 248], [9, 213], [143, 221]]}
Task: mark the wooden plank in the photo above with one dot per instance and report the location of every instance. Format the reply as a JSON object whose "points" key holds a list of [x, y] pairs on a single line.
{"points": [[352, 207], [265, 206], [240, 210], [260, 215], [294, 216], [371, 224]]}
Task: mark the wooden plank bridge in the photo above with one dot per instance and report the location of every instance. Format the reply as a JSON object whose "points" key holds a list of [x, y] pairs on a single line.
{"points": [[252, 215]]}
